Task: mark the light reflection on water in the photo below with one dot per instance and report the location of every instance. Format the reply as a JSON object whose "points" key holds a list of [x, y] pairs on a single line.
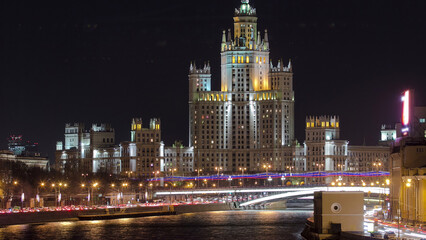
{"points": [[208, 225]]}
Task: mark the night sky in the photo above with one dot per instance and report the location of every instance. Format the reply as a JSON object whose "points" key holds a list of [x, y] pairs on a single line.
{"points": [[109, 61]]}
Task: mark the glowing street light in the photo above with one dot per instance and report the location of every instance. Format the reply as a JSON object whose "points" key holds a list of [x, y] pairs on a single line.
{"points": [[282, 180], [267, 167], [289, 168]]}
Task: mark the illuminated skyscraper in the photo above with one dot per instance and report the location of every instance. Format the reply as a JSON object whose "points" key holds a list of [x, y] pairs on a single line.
{"points": [[251, 119]]}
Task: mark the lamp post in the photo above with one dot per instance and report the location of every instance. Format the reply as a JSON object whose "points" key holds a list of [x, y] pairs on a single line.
{"points": [[172, 170], [218, 169], [140, 191], [122, 194], [54, 189], [377, 164], [242, 175], [319, 165], [16, 183], [59, 191], [266, 166], [38, 194], [198, 176], [341, 170], [289, 168]]}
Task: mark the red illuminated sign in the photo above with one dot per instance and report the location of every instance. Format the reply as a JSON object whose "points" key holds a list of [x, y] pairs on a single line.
{"points": [[406, 108]]}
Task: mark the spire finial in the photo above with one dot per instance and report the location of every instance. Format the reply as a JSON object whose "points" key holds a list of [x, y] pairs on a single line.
{"points": [[290, 67], [245, 1]]}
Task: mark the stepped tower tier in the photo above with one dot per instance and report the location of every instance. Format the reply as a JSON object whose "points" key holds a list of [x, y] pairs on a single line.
{"points": [[251, 119]]}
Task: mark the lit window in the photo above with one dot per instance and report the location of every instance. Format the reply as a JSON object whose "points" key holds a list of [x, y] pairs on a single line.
{"points": [[233, 59], [422, 120]]}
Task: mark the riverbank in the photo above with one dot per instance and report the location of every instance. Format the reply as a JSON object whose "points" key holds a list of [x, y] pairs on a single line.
{"points": [[59, 216]]}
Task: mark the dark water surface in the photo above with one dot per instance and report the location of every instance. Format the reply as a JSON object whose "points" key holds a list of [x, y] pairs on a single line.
{"points": [[207, 225]]}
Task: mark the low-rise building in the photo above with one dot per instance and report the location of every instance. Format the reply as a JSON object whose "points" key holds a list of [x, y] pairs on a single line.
{"points": [[179, 159], [31, 161], [87, 151]]}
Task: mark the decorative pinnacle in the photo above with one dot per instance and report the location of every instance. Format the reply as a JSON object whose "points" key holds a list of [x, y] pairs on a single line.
{"points": [[245, 1]]}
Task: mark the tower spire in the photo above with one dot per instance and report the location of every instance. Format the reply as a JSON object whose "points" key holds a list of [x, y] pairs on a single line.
{"points": [[258, 38], [266, 40], [223, 44], [290, 67], [191, 67]]}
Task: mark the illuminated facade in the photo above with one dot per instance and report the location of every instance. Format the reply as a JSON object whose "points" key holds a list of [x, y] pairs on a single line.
{"points": [[250, 121], [149, 148], [179, 159], [368, 158], [324, 150], [6, 157], [408, 165], [88, 151], [408, 180]]}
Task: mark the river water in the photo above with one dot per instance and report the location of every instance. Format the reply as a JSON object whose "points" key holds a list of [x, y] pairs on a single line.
{"points": [[286, 224]]}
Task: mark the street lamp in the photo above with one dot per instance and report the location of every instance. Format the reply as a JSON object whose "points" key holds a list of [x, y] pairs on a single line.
{"points": [[218, 170], [282, 180], [319, 165], [38, 193], [341, 170], [267, 168], [91, 189], [242, 174], [289, 168], [377, 165], [198, 176]]}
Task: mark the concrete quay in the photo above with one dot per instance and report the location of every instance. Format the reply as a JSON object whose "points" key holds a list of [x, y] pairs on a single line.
{"points": [[59, 216]]}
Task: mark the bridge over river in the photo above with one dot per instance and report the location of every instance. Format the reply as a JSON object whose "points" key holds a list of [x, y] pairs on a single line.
{"points": [[263, 195]]}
